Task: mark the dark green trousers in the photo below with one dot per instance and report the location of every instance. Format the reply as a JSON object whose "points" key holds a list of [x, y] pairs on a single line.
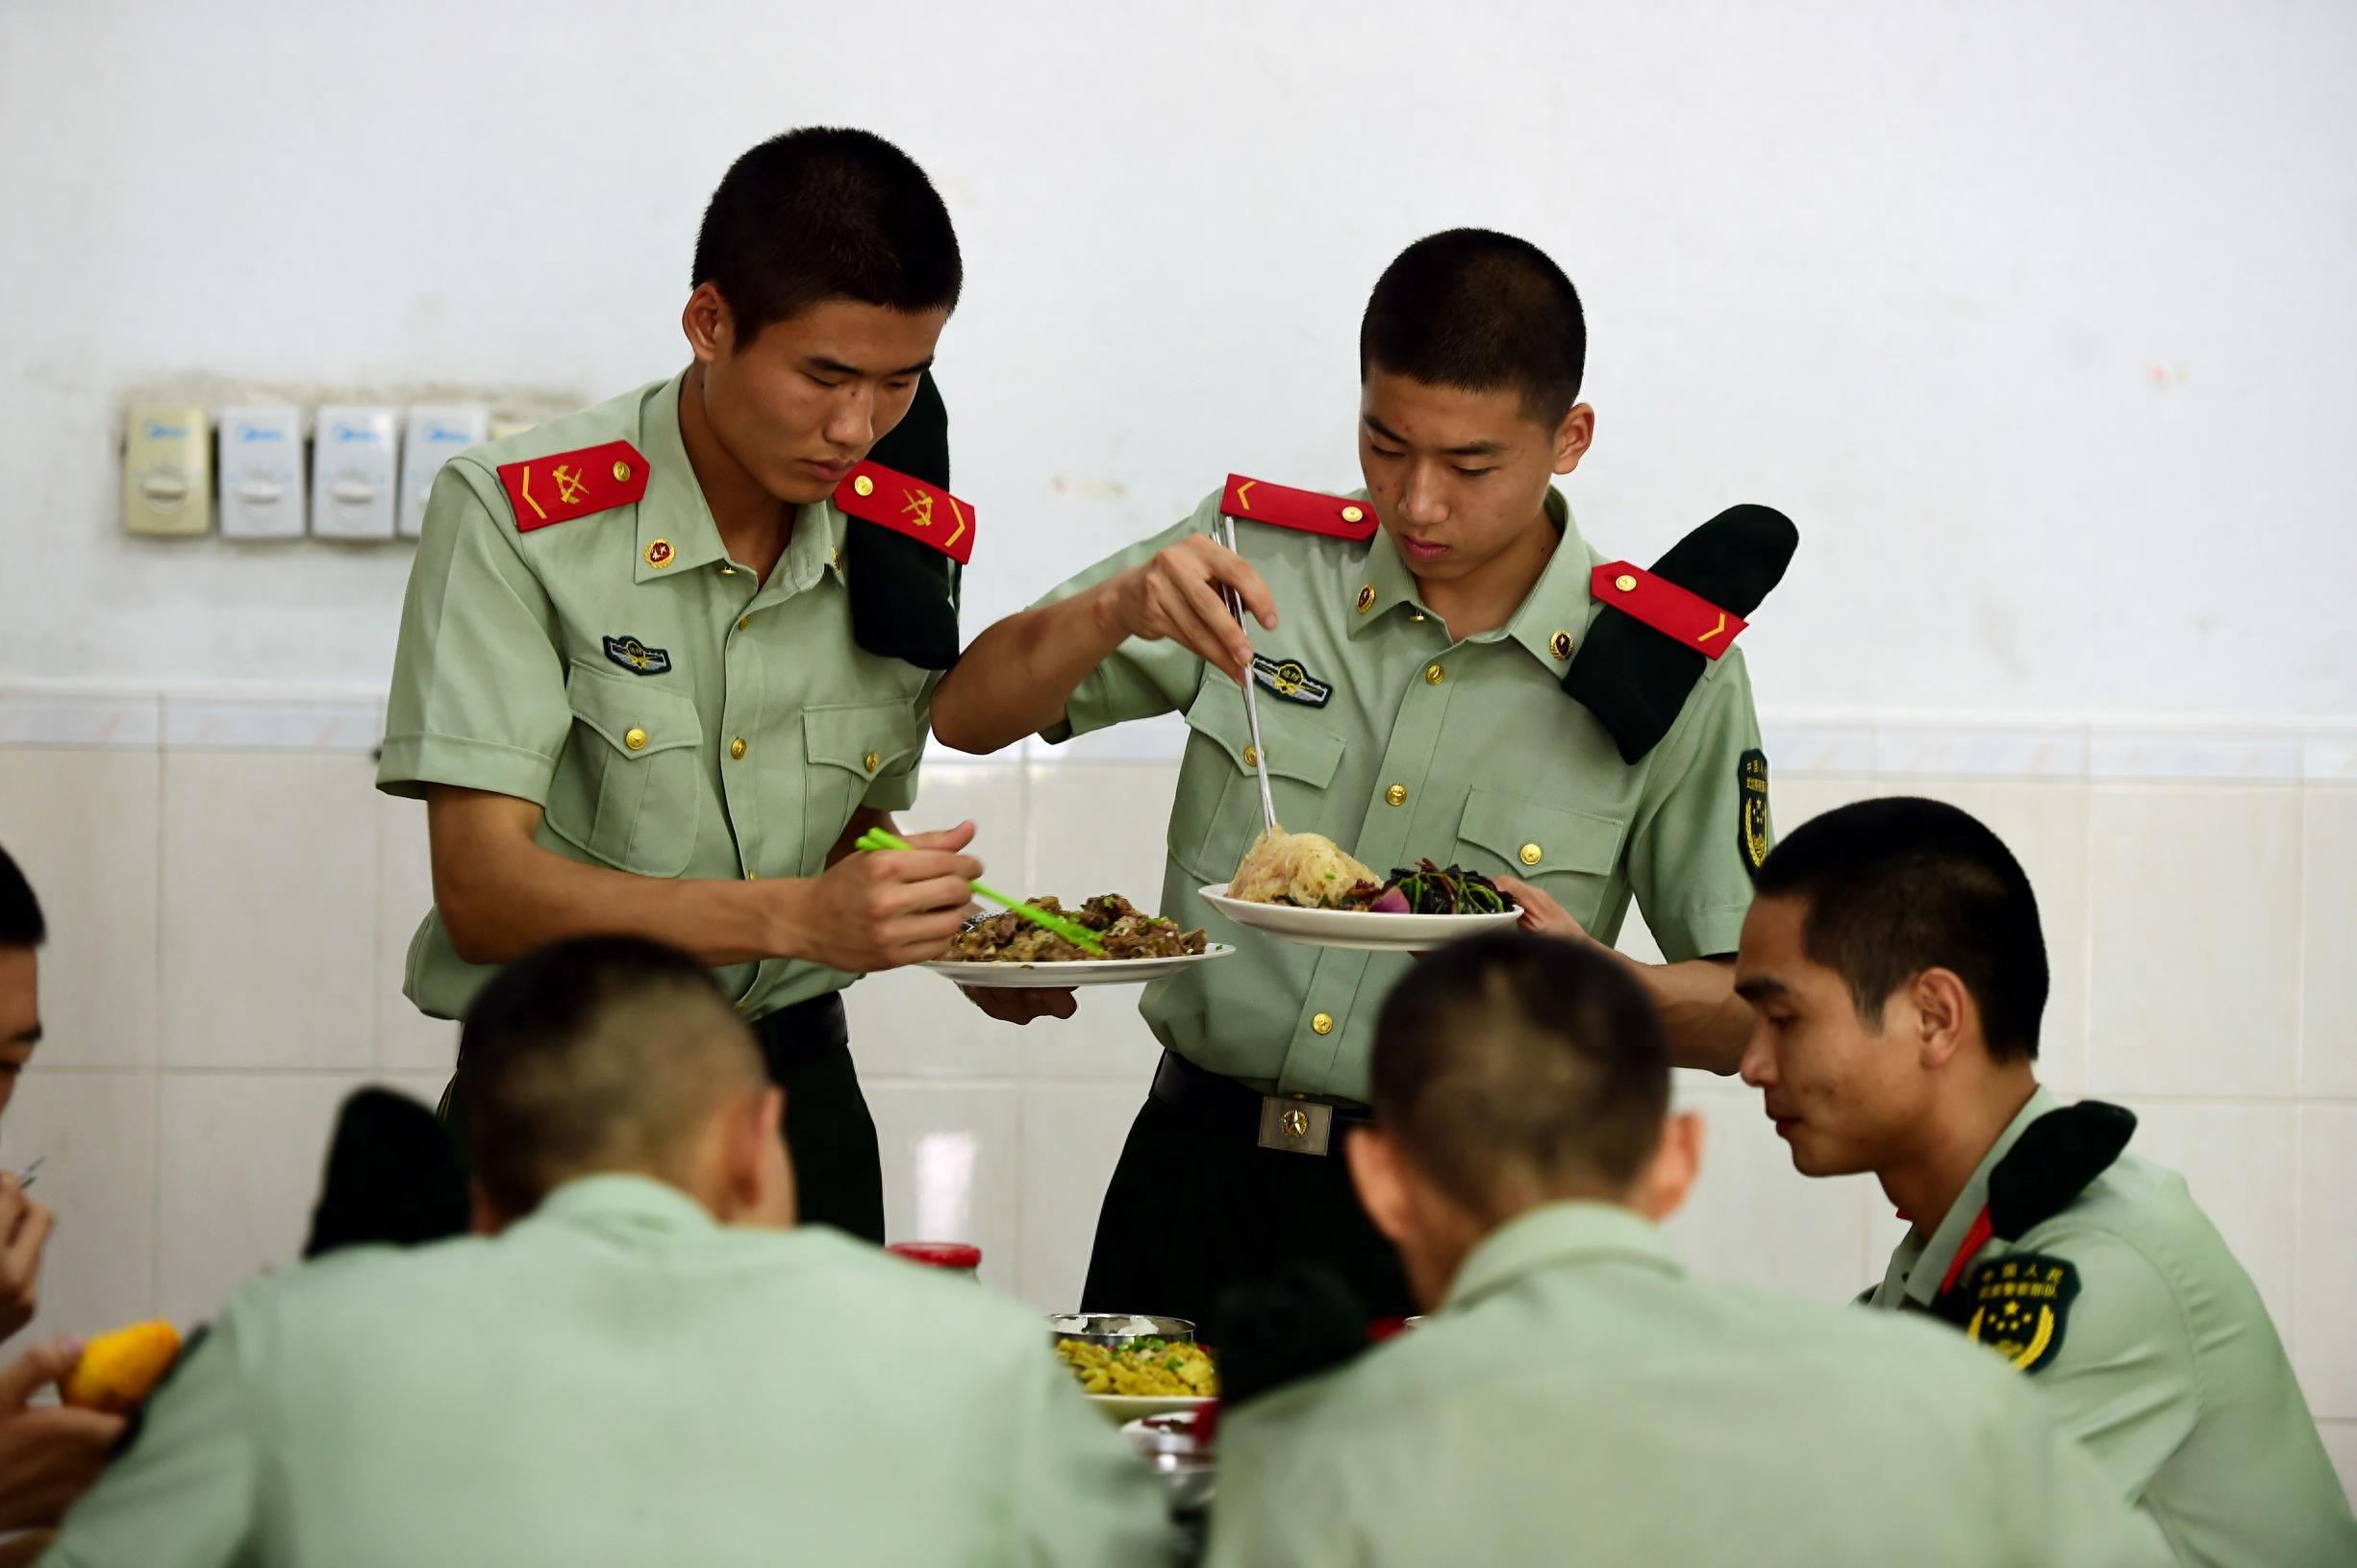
{"points": [[830, 1136], [1196, 1207]]}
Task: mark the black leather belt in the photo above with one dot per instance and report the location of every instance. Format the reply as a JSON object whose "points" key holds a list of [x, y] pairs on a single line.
{"points": [[1297, 1124]]}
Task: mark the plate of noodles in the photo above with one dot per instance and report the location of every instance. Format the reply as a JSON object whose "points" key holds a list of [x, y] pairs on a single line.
{"points": [[1303, 887], [1005, 952]]}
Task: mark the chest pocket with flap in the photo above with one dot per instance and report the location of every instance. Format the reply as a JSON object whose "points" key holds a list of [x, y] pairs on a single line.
{"points": [[1570, 855], [847, 747], [1217, 813], [626, 791]]}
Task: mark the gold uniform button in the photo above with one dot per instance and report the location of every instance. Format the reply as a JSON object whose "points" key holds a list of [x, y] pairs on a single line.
{"points": [[1352, 515], [1323, 1022], [621, 472], [743, 621], [728, 571], [1532, 854], [1252, 757], [1366, 598], [1434, 675], [1417, 617], [1397, 794], [863, 485], [873, 761], [1560, 646], [736, 748], [1625, 583], [636, 741]]}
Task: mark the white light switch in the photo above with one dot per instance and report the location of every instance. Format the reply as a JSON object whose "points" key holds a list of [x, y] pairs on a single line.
{"points": [[262, 472], [438, 431], [167, 470], [352, 472]]}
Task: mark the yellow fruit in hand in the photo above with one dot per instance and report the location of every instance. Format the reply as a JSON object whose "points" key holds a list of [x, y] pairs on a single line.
{"points": [[119, 1370]]}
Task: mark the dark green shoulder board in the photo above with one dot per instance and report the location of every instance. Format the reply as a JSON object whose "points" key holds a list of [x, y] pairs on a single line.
{"points": [[904, 594], [2045, 1172], [1634, 679]]}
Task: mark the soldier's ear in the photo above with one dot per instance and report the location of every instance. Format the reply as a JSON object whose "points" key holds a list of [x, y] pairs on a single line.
{"points": [[1573, 436], [1381, 1178], [1669, 1175], [1944, 1015], [709, 328]]}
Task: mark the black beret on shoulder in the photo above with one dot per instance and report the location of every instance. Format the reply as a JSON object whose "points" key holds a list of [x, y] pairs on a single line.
{"points": [[1634, 679], [904, 594]]}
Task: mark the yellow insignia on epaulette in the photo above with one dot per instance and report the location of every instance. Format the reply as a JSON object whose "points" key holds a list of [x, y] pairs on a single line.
{"points": [[2020, 1304]]}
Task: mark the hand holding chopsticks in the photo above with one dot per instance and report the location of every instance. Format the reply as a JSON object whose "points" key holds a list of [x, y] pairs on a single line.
{"points": [[1078, 935]]}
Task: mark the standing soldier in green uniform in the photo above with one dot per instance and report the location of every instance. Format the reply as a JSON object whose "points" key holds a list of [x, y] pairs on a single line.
{"points": [[663, 660], [1457, 674], [1898, 970]]}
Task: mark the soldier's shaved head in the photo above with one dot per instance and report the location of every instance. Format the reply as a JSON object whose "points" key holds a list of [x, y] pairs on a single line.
{"points": [[1481, 311], [1515, 1069], [826, 214], [600, 1054]]}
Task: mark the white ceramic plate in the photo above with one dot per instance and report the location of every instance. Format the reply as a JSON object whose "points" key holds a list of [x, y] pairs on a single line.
{"points": [[1123, 1409], [1355, 928], [1024, 977]]}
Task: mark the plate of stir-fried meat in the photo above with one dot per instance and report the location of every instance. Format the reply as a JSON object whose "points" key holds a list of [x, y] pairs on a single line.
{"points": [[1006, 950]]}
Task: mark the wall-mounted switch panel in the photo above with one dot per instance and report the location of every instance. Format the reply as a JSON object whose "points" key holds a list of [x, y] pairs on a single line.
{"points": [[353, 471], [167, 470], [262, 492], [438, 431]]}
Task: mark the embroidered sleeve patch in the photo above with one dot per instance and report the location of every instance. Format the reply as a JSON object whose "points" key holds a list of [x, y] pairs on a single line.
{"points": [[1751, 817], [2020, 1304]]}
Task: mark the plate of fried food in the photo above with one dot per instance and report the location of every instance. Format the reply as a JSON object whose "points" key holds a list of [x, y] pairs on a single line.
{"points": [[1303, 887], [1133, 1366], [1006, 952]]}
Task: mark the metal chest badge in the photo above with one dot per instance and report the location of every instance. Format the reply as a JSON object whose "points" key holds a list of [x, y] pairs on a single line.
{"points": [[1288, 678], [638, 657], [1751, 830], [2020, 1304]]}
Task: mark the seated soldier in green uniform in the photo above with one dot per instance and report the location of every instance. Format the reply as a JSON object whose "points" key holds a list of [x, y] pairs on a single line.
{"points": [[1446, 668], [1573, 1394], [663, 661], [642, 1365], [1897, 968]]}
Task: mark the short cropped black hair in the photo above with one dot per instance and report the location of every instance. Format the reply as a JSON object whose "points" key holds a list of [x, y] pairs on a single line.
{"points": [[1481, 311], [826, 214], [599, 1053], [1512, 1068], [21, 912], [1902, 884]]}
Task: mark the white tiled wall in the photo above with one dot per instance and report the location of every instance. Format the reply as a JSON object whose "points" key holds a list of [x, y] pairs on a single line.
{"points": [[230, 905]]}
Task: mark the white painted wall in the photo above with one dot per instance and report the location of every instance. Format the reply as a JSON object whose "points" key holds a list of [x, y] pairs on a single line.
{"points": [[2037, 318]]}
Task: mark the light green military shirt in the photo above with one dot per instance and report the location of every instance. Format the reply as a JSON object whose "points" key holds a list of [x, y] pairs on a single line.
{"points": [[674, 715], [617, 1381], [1401, 742], [1579, 1398], [2163, 1363]]}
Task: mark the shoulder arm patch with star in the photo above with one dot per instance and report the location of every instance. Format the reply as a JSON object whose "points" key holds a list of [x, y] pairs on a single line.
{"points": [[2020, 1306]]}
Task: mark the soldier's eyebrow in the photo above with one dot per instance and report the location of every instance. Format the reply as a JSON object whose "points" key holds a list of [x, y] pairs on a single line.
{"points": [[836, 367], [1760, 988], [1471, 449]]}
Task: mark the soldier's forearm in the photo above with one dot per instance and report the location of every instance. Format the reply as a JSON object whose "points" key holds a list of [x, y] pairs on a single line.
{"points": [[1016, 677], [499, 902], [1704, 1021]]}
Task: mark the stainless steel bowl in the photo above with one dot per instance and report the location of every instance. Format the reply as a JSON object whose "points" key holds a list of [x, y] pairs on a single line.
{"points": [[1113, 1330]]}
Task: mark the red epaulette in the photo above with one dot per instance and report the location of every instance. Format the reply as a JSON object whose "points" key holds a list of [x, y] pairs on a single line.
{"points": [[1333, 515], [1673, 612], [568, 485], [925, 512]]}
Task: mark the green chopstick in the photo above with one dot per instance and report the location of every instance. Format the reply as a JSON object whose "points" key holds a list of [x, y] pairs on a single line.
{"points": [[1072, 932]]}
